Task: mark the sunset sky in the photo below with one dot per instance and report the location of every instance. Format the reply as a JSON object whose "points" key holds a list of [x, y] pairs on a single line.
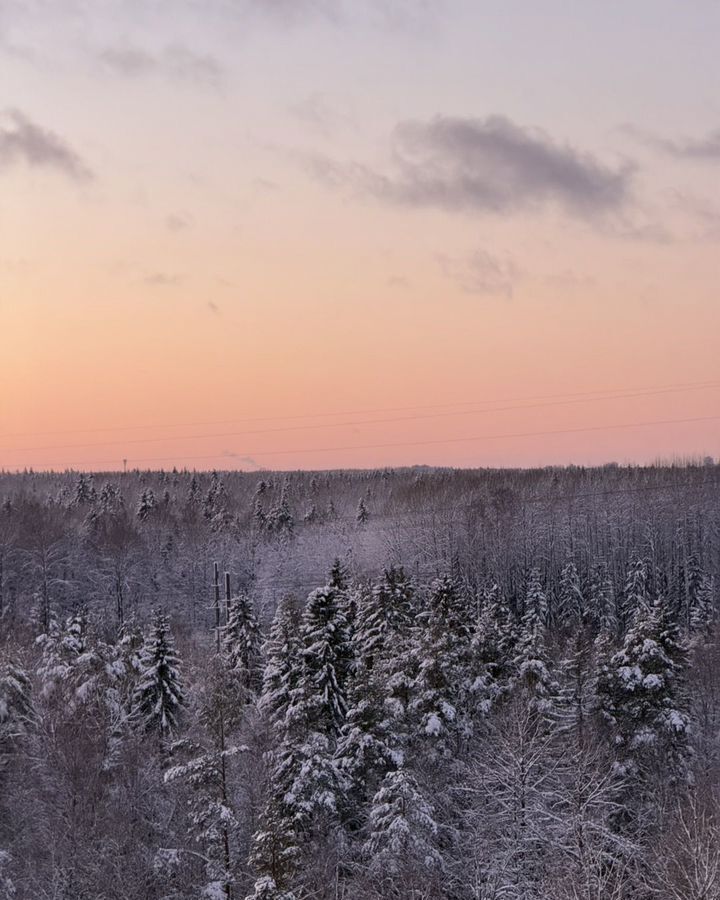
{"points": [[330, 233]]}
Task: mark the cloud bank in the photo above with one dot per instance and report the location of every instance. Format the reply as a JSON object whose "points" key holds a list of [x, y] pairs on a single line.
{"points": [[489, 165]]}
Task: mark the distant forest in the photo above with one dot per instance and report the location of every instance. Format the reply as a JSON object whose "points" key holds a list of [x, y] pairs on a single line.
{"points": [[404, 683]]}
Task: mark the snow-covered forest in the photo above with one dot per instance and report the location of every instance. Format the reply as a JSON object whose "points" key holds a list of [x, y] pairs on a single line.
{"points": [[412, 683]]}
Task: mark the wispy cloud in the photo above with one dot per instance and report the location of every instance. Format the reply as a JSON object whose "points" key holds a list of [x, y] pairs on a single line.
{"points": [[481, 273], [23, 141], [706, 147], [321, 114], [176, 62], [177, 222], [487, 165], [161, 279]]}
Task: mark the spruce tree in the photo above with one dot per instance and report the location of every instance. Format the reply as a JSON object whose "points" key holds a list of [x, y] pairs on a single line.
{"points": [[283, 665], [159, 695], [208, 774], [570, 608], [635, 593], [146, 505], [242, 645], [17, 714], [401, 843], [642, 695], [326, 656], [531, 660], [443, 684], [493, 650]]}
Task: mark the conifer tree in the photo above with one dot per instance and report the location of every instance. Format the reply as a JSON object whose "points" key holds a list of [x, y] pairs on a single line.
{"points": [[642, 694], [493, 650], [146, 505], [242, 645], [159, 695], [401, 843], [283, 665], [207, 772], [570, 609], [85, 493], [531, 660], [361, 514], [277, 842], [17, 713], [602, 611], [443, 683], [326, 661], [700, 600], [280, 519], [635, 593]]}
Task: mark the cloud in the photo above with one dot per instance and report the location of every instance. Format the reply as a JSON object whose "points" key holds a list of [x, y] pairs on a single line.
{"points": [[704, 148], [321, 114], [486, 165], [482, 273], [21, 140], [161, 280], [214, 308], [177, 222], [175, 61]]}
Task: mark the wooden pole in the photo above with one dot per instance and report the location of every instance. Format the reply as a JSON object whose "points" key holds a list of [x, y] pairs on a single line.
{"points": [[227, 597], [217, 605]]}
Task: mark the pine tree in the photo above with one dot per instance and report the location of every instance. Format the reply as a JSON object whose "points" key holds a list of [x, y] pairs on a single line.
{"points": [[159, 695]]}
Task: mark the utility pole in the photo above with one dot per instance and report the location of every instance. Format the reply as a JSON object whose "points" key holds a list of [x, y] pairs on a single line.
{"points": [[227, 597], [217, 606]]}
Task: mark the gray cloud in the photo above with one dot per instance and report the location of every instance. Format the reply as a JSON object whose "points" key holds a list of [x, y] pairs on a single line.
{"points": [[161, 279], [482, 273], [704, 148], [486, 165], [21, 140], [321, 113], [177, 222], [176, 62]]}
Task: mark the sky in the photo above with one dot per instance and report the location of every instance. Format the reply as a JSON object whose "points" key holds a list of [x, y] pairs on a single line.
{"points": [[351, 233]]}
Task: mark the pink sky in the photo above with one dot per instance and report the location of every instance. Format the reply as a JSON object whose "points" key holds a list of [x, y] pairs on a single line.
{"points": [[391, 211]]}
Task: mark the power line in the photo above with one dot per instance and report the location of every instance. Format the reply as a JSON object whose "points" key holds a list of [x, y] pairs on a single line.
{"points": [[347, 424], [422, 443], [611, 392]]}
